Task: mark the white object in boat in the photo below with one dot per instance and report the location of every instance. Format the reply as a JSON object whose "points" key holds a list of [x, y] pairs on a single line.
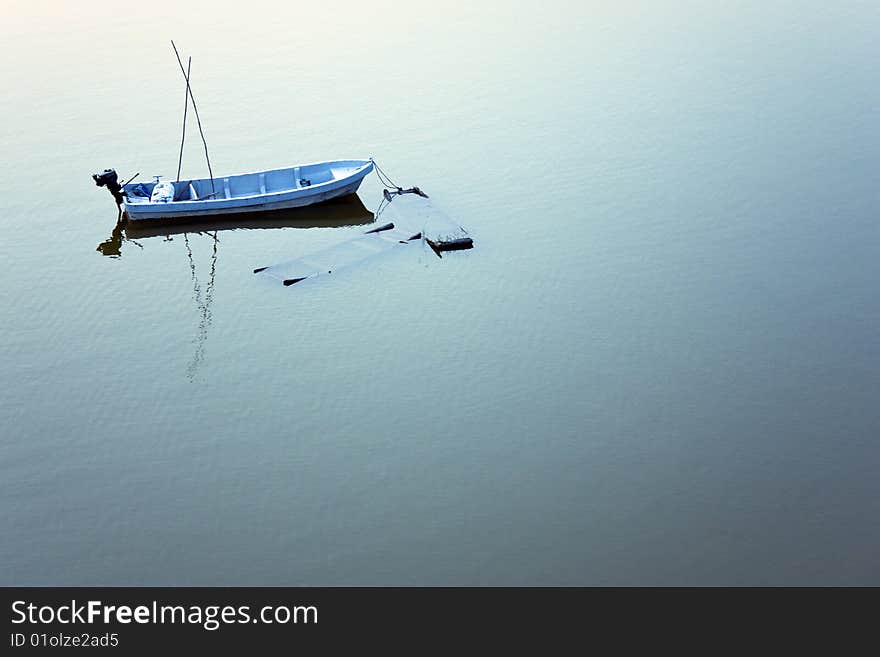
{"points": [[163, 192]]}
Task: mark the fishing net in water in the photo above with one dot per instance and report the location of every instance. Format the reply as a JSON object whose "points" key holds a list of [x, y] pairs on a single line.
{"points": [[405, 219], [421, 214]]}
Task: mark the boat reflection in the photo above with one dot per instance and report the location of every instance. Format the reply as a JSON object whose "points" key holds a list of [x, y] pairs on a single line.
{"points": [[112, 246], [345, 211], [335, 213], [203, 304]]}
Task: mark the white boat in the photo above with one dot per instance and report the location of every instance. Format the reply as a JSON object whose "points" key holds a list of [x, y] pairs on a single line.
{"points": [[274, 189]]}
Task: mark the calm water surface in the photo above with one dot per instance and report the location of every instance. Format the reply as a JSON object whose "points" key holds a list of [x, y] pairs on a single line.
{"points": [[660, 365]]}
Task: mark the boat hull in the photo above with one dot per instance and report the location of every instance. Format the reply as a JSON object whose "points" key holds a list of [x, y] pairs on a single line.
{"points": [[344, 177]]}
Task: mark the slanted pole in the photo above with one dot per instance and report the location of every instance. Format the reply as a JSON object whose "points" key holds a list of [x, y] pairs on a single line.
{"points": [[196, 112], [185, 106]]}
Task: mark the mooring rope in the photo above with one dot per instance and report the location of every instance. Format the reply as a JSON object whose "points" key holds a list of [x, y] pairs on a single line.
{"points": [[392, 189], [387, 183], [384, 178], [384, 203]]}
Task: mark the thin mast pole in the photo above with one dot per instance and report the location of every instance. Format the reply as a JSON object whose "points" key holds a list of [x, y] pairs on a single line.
{"points": [[185, 106], [196, 111]]}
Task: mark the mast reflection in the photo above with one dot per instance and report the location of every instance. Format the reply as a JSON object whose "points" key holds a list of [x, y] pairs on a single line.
{"points": [[345, 211]]}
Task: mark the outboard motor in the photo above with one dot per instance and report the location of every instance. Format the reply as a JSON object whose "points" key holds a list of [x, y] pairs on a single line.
{"points": [[108, 178]]}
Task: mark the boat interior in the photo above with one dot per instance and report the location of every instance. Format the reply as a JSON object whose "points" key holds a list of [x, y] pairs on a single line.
{"points": [[251, 184]]}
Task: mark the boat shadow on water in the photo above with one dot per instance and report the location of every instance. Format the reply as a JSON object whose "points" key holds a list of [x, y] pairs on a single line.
{"points": [[335, 213], [344, 211]]}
